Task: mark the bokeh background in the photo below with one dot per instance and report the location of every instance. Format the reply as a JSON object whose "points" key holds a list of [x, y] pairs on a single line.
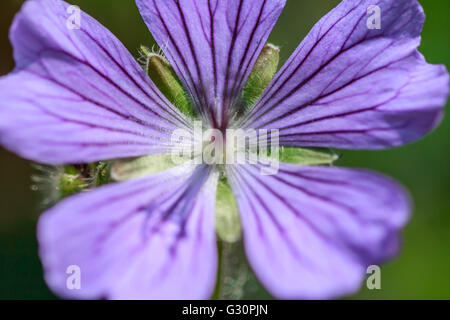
{"points": [[422, 271]]}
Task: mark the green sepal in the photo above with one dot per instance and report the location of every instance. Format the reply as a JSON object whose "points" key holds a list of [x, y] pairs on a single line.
{"points": [[165, 78], [262, 74], [306, 156], [70, 182], [139, 167], [227, 220], [55, 183], [101, 173]]}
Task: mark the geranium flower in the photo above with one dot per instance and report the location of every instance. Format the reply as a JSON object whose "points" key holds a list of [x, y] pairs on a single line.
{"points": [[78, 96]]}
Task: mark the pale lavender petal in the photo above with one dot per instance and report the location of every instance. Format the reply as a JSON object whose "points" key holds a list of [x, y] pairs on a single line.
{"points": [[311, 232], [212, 44], [348, 86], [151, 238], [77, 95]]}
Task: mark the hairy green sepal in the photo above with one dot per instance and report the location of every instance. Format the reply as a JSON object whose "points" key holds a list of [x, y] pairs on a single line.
{"points": [[70, 182], [140, 167], [228, 224], [165, 78], [58, 182], [306, 156], [262, 74]]}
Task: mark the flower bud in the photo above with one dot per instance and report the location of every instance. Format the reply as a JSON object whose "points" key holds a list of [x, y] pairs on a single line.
{"points": [[262, 74], [306, 156], [165, 78]]}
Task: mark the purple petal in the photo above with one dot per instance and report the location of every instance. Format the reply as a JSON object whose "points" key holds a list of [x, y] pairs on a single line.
{"points": [[151, 238], [350, 87], [78, 95], [311, 232], [212, 44]]}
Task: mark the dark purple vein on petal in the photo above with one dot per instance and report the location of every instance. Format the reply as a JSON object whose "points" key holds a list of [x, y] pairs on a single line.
{"points": [[292, 73], [170, 110], [239, 82], [322, 66], [196, 96], [229, 57], [87, 124], [312, 102], [269, 213], [196, 62], [348, 113], [212, 13], [114, 84], [123, 116], [297, 213]]}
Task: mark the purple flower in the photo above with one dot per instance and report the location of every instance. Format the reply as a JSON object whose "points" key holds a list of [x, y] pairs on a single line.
{"points": [[78, 96]]}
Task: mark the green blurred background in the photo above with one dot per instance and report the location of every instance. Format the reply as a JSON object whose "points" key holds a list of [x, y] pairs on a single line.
{"points": [[422, 271]]}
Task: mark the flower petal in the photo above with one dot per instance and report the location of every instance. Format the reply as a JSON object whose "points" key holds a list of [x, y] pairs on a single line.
{"points": [[311, 232], [212, 44], [77, 95], [347, 86], [150, 238]]}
